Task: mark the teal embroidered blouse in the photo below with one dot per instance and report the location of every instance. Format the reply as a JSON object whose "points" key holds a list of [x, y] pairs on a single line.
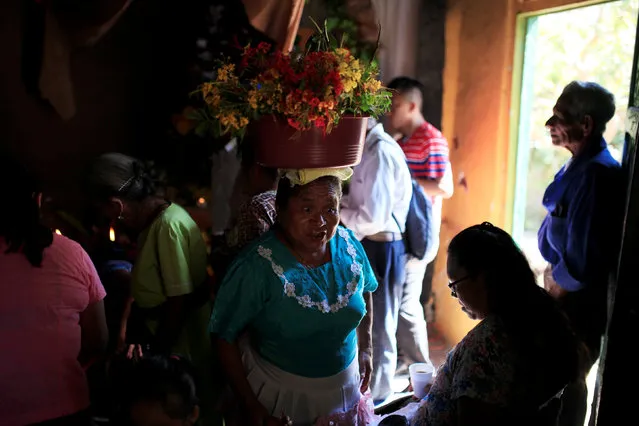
{"points": [[301, 320]]}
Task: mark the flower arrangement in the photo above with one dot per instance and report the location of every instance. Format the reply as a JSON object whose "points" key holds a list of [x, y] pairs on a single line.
{"points": [[310, 89]]}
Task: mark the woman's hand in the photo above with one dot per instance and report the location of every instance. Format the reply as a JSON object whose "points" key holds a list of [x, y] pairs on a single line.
{"points": [[365, 369], [551, 286], [134, 352], [120, 346], [365, 343], [426, 391]]}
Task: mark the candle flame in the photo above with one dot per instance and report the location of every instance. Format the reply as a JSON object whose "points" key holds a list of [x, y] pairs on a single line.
{"points": [[201, 201], [111, 234], [57, 231]]}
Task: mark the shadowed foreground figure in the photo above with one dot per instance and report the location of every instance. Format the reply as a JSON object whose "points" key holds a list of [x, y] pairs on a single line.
{"points": [[509, 369]]}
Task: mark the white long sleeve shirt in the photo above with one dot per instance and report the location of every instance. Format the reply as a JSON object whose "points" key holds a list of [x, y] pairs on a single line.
{"points": [[380, 187]]}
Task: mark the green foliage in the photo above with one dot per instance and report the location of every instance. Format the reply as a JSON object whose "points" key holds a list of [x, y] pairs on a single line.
{"points": [[340, 22]]}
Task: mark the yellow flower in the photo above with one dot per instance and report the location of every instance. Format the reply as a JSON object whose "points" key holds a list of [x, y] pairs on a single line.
{"points": [[328, 105], [356, 70], [252, 99], [342, 52], [225, 73], [231, 121], [227, 120], [292, 107], [211, 95], [372, 86], [207, 89], [351, 73], [349, 85]]}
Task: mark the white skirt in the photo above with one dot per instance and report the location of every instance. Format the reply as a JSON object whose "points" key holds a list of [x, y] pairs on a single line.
{"points": [[303, 399]]}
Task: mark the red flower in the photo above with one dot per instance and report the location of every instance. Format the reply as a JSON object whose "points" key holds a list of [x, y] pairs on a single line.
{"points": [[320, 123], [263, 47], [294, 124]]}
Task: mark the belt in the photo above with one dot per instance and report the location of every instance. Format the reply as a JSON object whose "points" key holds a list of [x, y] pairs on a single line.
{"points": [[385, 237]]}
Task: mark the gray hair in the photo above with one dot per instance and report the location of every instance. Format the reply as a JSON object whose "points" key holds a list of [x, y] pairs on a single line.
{"points": [[582, 98], [116, 174]]}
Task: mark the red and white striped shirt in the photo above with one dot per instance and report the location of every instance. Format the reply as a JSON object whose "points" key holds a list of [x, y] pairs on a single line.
{"points": [[426, 152]]}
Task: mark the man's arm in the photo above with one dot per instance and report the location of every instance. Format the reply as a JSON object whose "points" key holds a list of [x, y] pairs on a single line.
{"points": [[440, 187]]}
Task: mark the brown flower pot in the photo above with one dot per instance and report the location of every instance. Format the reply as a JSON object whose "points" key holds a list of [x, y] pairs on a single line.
{"points": [[279, 145]]}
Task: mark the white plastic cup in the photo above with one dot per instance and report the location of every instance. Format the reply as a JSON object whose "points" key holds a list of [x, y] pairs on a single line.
{"points": [[421, 375]]}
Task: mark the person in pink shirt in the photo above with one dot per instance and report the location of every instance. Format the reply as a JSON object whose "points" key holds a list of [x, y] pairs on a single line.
{"points": [[51, 313]]}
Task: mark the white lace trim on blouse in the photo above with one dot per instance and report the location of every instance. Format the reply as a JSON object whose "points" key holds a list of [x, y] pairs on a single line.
{"points": [[305, 300]]}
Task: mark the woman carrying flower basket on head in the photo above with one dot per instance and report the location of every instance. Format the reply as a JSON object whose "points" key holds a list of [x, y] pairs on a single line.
{"points": [[303, 292]]}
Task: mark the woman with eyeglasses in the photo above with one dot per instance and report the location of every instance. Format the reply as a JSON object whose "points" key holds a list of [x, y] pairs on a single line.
{"points": [[509, 369]]}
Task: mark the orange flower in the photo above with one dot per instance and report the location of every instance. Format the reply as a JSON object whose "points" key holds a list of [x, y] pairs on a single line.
{"points": [[313, 88]]}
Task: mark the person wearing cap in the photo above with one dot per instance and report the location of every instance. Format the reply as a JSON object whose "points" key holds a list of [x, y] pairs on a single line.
{"points": [[375, 209], [302, 291]]}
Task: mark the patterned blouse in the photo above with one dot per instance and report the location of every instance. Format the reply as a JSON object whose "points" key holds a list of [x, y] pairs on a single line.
{"points": [[302, 320], [254, 218], [486, 367]]}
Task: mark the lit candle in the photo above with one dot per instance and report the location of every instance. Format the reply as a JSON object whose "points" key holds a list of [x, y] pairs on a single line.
{"points": [[201, 202], [111, 234], [57, 231]]}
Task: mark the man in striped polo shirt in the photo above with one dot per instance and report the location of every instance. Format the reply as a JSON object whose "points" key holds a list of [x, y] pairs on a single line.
{"points": [[426, 152]]}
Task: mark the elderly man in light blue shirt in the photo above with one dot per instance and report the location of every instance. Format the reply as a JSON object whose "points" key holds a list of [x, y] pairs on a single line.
{"points": [[375, 209]]}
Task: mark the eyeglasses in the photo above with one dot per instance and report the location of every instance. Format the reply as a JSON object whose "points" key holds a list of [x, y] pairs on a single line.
{"points": [[453, 285]]}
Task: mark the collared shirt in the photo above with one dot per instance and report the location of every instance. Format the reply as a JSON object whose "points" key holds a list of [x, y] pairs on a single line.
{"points": [[380, 188], [426, 152], [580, 235], [427, 155]]}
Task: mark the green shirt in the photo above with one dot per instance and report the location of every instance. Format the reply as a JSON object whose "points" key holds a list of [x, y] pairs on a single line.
{"points": [[172, 262]]}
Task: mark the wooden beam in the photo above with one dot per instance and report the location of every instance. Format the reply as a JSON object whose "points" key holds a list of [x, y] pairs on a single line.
{"points": [[549, 6]]}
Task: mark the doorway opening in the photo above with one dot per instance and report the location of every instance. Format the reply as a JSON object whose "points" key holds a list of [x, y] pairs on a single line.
{"points": [[589, 43]]}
